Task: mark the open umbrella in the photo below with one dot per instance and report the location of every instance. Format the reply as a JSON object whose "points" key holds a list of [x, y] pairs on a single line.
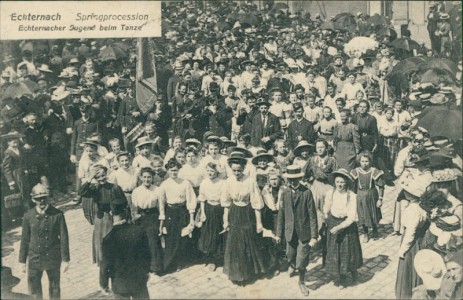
{"points": [[405, 44], [17, 90], [439, 63], [443, 122], [399, 75], [360, 43], [328, 26], [345, 21], [386, 31], [377, 20], [435, 76], [111, 53]]}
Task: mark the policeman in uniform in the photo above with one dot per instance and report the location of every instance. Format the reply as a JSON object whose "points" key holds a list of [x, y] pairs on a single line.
{"points": [[44, 244]]}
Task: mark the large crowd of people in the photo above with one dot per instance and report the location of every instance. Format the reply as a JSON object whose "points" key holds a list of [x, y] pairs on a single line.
{"points": [[272, 136]]}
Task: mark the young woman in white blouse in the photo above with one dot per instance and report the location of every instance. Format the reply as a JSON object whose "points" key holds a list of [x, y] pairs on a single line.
{"points": [[344, 252], [242, 202], [211, 242], [145, 200], [192, 170], [177, 205]]}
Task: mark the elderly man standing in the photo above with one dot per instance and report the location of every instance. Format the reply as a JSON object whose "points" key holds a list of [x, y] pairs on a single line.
{"points": [[44, 244], [265, 127]]}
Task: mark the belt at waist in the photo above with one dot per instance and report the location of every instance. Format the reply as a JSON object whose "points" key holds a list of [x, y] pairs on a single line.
{"points": [[326, 133], [153, 210], [127, 192], [176, 205]]}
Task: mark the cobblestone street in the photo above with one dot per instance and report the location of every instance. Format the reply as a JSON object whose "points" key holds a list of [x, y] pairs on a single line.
{"points": [[376, 277]]}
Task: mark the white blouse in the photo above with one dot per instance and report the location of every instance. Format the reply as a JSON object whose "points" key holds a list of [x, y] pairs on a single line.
{"points": [[388, 128], [194, 174], [172, 192], [146, 198], [241, 192], [340, 206], [126, 179], [413, 215], [210, 191], [221, 163]]}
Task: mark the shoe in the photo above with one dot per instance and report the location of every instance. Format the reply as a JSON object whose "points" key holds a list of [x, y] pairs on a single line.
{"points": [[366, 238], [105, 291], [291, 271], [304, 289]]}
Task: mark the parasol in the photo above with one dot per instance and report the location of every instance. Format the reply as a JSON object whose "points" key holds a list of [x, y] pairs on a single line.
{"points": [[17, 90], [345, 21], [386, 31], [405, 44], [360, 44], [439, 63], [399, 74], [328, 26], [443, 122], [435, 76]]}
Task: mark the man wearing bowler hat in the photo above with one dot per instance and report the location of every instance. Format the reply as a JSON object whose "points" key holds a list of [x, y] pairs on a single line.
{"points": [[297, 220], [44, 244], [265, 127]]}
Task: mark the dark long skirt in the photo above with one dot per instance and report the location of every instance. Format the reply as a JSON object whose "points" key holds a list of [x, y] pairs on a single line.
{"points": [[344, 253], [210, 241], [345, 155], [101, 227], [243, 259], [150, 224], [177, 217], [407, 278], [272, 250], [366, 207]]}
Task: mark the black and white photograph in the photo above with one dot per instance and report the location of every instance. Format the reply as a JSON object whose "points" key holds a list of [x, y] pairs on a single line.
{"points": [[253, 149]]}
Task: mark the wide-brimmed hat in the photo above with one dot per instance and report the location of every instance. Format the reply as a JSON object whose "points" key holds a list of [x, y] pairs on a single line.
{"points": [[302, 145], [39, 191], [143, 141], [236, 157], [90, 141], [60, 93], [261, 153], [343, 173], [246, 152], [226, 142], [293, 171], [214, 138], [44, 68], [444, 16], [439, 98], [122, 153], [193, 142], [11, 136], [430, 267]]}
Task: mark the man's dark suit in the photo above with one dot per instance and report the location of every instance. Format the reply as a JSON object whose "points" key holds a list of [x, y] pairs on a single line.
{"points": [[44, 244], [80, 132], [300, 130], [297, 218], [271, 130], [126, 257]]}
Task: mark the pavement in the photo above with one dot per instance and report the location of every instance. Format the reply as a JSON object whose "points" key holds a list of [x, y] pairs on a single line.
{"points": [[376, 277]]}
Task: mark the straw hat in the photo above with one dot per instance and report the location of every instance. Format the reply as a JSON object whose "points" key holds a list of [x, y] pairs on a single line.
{"points": [[430, 267], [236, 157], [143, 141], [343, 173], [60, 93], [192, 142], [301, 146], [439, 98], [44, 68], [261, 153], [246, 152], [293, 171], [11, 136]]}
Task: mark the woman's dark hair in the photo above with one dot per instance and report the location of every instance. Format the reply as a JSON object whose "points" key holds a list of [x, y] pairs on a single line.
{"points": [[451, 186], [213, 166], [172, 163], [432, 199], [179, 150], [366, 102], [191, 149], [147, 170], [322, 141], [246, 137]]}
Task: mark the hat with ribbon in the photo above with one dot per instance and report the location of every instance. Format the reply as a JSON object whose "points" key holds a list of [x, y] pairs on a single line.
{"points": [[303, 145], [430, 267], [261, 153], [342, 173], [236, 157], [293, 171], [144, 141], [39, 191]]}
